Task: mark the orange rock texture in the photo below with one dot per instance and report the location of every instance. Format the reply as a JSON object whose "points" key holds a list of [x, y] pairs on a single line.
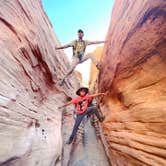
{"points": [[78, 75], [134, 75], [30, 121], [93, 70]]}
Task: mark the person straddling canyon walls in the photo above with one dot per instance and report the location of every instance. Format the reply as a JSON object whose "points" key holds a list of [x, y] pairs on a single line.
{"points": [[83, 104], [79, 47]]}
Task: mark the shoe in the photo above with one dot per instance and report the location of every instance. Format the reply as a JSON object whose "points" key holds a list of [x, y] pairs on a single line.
{"points": [[69, 141], [61, 82], [102, 119]]}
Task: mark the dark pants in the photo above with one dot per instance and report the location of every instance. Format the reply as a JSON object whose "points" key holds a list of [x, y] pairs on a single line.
{"points": [[79, 118]]}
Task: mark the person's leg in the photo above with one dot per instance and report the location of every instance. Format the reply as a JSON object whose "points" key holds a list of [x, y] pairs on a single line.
{"points": [[75, 62], [93, 59], [75, 128], [93, 109]]}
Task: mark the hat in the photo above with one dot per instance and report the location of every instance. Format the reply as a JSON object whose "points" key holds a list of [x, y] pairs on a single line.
{"points": [[80, 31], [82, 88]]}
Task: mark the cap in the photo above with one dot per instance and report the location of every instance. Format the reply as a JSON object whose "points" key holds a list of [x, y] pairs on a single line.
{"points": [[80, 31]]}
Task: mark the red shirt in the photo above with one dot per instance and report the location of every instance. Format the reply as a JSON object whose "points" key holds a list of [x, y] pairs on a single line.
{"points": [[82, 103]]}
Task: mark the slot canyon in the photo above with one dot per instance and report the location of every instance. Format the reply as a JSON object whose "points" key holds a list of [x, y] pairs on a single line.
{"points": [[33, 131]]}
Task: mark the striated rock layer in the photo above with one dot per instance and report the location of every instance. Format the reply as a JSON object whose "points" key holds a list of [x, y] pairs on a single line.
{"points": [[30, 123], [134, 75], [93, 70]]}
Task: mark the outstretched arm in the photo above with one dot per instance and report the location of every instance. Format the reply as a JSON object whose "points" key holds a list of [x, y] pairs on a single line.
{"points": [[96, 42], [62, 47], [97, 94], [68, 103]]}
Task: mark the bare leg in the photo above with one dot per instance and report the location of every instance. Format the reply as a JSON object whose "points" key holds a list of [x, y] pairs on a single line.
{"points": [[93, 59], [75, 62], [94, 110], [90, 56]]}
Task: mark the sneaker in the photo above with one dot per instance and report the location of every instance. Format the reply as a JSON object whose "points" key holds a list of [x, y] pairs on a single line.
{"points": [[102, 119]]}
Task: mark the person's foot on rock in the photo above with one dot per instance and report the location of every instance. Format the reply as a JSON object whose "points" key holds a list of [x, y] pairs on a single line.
{"points": [[102, 119]]}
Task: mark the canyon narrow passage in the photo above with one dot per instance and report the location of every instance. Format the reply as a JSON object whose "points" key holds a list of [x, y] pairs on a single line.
{"points": [[87, 149], [34, 131]]}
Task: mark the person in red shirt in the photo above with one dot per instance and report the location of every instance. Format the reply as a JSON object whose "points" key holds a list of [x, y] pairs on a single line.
{"points": [[82, 103]]}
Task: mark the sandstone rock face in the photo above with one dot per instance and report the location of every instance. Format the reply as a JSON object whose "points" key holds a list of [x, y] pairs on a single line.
{"points": [[93, 70], [134, 75], [30, 123], [78, 76]]}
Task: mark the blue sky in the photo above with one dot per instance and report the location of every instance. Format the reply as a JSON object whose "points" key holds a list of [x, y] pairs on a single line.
{"points": [[67, 16]]}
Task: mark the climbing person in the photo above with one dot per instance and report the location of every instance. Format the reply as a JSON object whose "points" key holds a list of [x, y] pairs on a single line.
{"points": [[83, 107], [79, 47]]}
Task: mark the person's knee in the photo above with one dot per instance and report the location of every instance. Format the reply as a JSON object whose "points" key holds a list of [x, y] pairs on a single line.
{"points": [[92, 109]]}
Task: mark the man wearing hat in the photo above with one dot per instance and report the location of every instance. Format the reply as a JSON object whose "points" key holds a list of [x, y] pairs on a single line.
{"points": [[79, 47], [83, 107]]}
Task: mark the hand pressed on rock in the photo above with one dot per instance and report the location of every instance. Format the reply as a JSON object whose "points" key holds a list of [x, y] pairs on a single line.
{"points": [[104, 93]]}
